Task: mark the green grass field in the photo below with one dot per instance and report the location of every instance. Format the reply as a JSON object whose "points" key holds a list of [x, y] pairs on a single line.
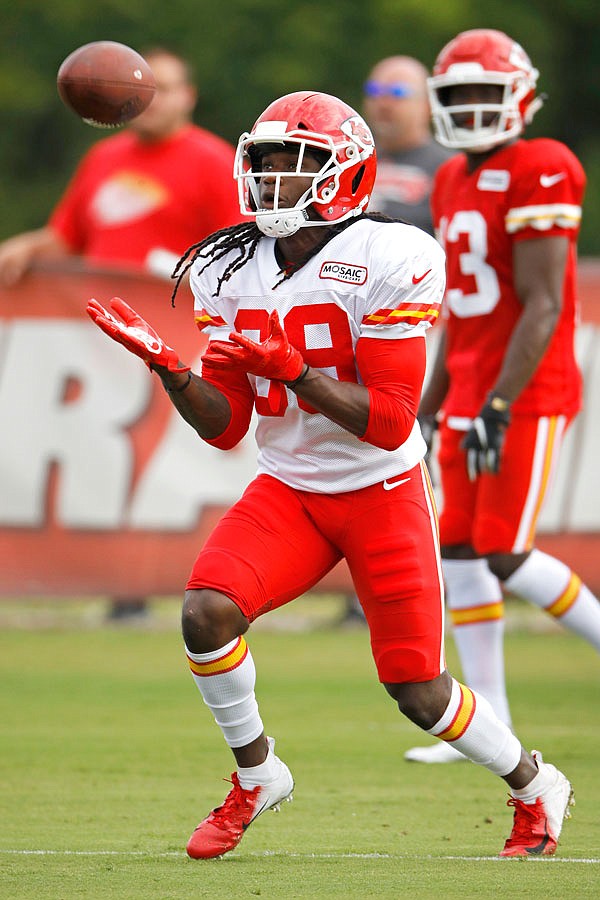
{"points": [[109, 759]]}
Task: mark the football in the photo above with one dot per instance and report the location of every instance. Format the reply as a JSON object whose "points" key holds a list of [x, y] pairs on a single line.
{"points": [[106, 83]]}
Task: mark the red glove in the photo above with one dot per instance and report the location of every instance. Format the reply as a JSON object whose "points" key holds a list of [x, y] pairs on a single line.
{"points": [[275, 358], [135, 334]]}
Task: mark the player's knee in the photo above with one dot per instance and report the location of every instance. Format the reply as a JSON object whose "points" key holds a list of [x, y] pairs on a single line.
{"points": [[503, 565], [458, 551], [424, 703], [209, 620]]}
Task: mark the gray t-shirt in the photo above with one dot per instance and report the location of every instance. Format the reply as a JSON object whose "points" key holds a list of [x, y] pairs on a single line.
{"points": [[403, 184]]}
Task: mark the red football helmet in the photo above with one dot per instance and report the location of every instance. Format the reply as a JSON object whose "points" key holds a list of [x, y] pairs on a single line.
{"points": [[322, 125], [482, 56]]}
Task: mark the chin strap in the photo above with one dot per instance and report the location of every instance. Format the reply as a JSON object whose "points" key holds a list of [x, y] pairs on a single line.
{"points": [[281, 224]]}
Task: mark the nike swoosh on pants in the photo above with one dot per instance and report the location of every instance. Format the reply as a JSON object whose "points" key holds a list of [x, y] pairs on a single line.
{"points": [[390, 485]]}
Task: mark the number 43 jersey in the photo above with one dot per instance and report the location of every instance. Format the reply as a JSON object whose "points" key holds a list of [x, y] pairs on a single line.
{"points": [[529, 190], [372, 280]]}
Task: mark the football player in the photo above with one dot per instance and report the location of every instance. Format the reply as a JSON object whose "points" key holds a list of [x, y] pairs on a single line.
{"points": [[316, 313], [505, 383]]}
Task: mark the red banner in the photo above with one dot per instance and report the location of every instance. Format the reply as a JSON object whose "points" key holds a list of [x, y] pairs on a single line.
{"points": [[104, 489]]}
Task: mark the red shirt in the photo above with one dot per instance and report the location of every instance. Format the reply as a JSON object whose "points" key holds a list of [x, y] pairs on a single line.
{"points": [[128, 196], [528, 190]]}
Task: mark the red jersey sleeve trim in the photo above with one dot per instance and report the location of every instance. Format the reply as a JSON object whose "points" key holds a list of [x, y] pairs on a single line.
{"points": [[543, 217], [203, 319], [405, 314]]}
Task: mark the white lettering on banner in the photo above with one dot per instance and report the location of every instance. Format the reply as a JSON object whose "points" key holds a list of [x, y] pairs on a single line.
{"points": [[184, 474], [84, 437], [88, 438]]}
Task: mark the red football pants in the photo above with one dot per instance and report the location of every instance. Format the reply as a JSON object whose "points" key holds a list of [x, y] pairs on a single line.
{"points": [[276, 543], [499, 513]]}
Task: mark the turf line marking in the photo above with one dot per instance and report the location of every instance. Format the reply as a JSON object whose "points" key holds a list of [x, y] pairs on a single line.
{"points": [[179, 854]]}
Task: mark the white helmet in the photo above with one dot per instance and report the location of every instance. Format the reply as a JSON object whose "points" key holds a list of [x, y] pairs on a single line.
{"points": [[483, 56]]}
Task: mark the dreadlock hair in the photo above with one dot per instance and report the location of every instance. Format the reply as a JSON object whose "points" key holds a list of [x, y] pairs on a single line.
{"points": [[244, 238]]}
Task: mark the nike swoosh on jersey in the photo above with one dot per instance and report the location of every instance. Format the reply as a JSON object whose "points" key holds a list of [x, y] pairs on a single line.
{"points": [[390, 485], [418, 278], [549, 180]]}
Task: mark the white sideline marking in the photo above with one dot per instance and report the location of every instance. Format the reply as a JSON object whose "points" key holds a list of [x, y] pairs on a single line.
{"points": [[175, 854]]}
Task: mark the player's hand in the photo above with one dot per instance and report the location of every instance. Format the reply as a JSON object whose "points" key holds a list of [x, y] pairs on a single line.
{"points": [[485, 438], [135, 334], [428, 425], [274, 358]]}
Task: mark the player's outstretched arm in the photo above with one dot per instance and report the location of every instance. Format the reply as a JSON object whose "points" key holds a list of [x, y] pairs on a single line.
{"points": [[200, 403], [135, 334], [381, 411]]}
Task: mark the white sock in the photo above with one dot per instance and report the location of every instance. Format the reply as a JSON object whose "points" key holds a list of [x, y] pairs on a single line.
{"points": [[534, 789], [265, 773], [470, 725], [549, 583], [476, 610], [226, 680]]}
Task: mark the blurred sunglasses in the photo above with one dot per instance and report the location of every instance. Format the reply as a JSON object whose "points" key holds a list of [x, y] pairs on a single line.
{"points": [[377, 89]]}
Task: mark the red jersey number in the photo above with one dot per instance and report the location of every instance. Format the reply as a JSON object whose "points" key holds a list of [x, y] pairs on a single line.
{"points": [[321, 332]]}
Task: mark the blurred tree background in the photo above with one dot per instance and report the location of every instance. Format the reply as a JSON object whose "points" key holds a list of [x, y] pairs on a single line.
{"points": [[246, 53]]}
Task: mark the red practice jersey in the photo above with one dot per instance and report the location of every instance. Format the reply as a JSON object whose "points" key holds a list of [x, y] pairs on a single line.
{"points": [[527, 190], [129, 197]]}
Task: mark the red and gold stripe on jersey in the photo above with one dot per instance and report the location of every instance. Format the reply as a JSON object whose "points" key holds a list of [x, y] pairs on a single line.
{"points": [[204, 319], [405, 314], [543, 217]]}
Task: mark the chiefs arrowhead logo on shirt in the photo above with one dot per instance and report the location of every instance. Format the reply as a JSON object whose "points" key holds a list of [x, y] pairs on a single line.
{"points": [[127, 197]]}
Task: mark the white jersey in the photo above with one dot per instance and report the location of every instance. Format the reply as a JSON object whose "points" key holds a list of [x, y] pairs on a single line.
{"points": [[374, 279]]}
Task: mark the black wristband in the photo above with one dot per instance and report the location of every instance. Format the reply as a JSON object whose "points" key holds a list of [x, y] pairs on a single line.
{"points": [[293, 384], [178, 390], [498, 403]]}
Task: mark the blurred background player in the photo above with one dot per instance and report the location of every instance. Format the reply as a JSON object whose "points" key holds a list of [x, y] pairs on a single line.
{"points": [[396, 107], [505, 381], [334, 375], [139, 198]]}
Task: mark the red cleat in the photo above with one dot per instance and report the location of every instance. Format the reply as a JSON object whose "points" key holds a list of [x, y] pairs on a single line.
{"points": [[224, 827], [537, 826]]}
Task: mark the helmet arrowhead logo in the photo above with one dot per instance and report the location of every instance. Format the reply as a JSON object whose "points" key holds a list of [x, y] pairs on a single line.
{"points": [[356, 128]]}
